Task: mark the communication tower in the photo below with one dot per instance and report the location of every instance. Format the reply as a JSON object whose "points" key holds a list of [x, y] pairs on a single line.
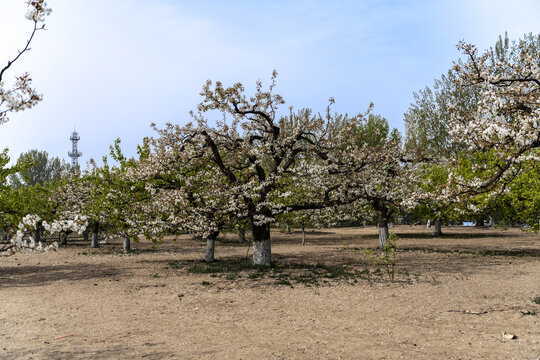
{"points": [[74, 154]]}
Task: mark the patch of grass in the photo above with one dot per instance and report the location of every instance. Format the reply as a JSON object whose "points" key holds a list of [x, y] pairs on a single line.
{"points": [[511, 253], [317, 274], [156, 275], [536, 300], [206, 283], [283, 282], [256, 275], [173, 265], [529, 312], [434, 280], [223, 266], [307, 279], [284, 273]]}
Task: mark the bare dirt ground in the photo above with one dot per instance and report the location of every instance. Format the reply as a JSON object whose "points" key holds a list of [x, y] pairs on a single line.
{"points": [[453, 298]]}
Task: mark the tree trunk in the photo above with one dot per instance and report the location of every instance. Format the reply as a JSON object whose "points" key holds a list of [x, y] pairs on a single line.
{"points": [[480, 222], [95, 231], [37, 235], [438, 225], [85, 236], [428, 224], [127, 244], [303, 236], [210, 247], [288, 226], [262, 252], [491, 222], [383, 236], [63, 238], [242, 235], [382, 224]]}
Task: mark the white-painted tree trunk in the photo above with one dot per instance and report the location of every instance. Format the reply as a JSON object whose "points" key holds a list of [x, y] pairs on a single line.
{"points": [[303, 235], [383, 236], [288, 227], [262, 250], [262, 253], [127, 244], [210, 249], [437, 231], [428, 224], [382, 225], [491, 222]]}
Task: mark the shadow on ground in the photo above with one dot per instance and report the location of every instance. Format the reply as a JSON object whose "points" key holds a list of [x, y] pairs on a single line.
{"points": [[111, 352], [40, 275]]}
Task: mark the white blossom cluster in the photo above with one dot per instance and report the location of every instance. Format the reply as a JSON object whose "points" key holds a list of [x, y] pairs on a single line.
{"points": [[23, 238], [20, 95], [37, 10], [17, 98], [77, 225], [506, 122]]}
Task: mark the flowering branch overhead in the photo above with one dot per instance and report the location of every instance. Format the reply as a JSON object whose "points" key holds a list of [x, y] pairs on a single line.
{"points": [[21, 96]]}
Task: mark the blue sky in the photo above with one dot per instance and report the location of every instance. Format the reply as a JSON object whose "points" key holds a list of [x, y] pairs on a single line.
{"points": [[110, 68]]}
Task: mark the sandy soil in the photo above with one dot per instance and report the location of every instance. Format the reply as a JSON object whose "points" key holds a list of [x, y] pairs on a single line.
{"points": [[82, 303]]}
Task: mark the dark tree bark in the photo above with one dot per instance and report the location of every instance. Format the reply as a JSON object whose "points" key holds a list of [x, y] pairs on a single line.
{"points": [[37, 235], [63, 238], [480, 221], [242, 235]]}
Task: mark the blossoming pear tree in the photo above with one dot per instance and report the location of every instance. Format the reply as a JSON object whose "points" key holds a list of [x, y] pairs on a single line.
{"points": [[20, 95], [503, 132], [249, 163], [188, 192], [380, 178], [121, 202], [17, 95]]}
